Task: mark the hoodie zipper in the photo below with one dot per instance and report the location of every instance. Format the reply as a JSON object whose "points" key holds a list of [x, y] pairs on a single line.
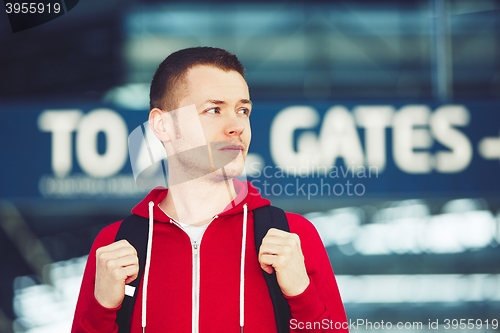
{"points": [[195, 246], [196, 288]]}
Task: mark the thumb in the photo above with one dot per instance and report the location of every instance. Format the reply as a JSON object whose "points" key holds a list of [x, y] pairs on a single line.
{"points": [[267, 268], [130, 278]]}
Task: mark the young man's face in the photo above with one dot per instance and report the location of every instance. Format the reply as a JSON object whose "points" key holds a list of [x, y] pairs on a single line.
{"points": [[214, 111]]}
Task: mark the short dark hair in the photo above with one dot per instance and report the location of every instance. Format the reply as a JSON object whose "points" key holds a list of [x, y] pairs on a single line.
{"points": [[168, 80]]}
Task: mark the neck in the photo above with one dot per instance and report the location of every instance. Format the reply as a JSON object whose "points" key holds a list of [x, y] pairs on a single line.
{"points": [[197, 201]]}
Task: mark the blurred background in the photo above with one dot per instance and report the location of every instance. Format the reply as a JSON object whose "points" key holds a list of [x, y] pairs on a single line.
{"points": [[378, 120]]}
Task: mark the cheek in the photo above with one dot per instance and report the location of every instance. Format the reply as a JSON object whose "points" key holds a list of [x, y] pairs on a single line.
{"points": [[195, 135], [248, 137], [210, 135], [248, 132], [190, 127]]}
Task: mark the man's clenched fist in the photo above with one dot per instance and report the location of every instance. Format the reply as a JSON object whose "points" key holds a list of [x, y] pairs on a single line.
{"points": [[117, 265], [281, 251]]}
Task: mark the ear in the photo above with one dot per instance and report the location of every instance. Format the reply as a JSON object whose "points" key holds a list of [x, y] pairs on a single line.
{"points": [[159, 124]]}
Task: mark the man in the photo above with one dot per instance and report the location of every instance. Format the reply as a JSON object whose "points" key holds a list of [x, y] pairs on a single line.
{"points": [[202, 271]]}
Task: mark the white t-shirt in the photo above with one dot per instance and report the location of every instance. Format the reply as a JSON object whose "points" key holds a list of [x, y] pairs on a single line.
{"points": [[194, 231]]}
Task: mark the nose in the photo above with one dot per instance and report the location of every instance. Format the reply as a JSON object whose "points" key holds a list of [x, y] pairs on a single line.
{"points": [[234, 125]]}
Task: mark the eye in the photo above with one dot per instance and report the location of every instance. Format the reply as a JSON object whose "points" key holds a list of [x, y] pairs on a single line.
{"points": [[215, 110], [244, 111]]}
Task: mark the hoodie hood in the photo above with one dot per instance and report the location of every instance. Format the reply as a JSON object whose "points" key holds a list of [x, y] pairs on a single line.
{"points": [[250, 197]]}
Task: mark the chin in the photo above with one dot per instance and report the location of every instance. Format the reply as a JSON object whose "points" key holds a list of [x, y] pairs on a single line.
{"points": [[231, 170]]}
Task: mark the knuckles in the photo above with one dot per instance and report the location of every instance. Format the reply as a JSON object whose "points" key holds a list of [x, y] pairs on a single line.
{"points": [[291, 242], [287, 249], [102, 260], [117, 274], [110, 264]]}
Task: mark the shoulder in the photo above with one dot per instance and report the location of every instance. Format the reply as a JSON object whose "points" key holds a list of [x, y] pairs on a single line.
{"points": [[310, 242], [309, 236], [107, 235], [300, 225]]}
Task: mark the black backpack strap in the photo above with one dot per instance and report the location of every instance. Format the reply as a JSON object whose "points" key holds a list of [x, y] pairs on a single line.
{"points": [[135, 230], [265, 218]]}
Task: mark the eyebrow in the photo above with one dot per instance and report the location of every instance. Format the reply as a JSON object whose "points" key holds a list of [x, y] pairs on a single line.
{"points": [[219, 102]]}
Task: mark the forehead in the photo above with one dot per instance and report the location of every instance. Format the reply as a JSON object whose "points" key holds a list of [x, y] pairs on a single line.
{"points": [[211, 82]]}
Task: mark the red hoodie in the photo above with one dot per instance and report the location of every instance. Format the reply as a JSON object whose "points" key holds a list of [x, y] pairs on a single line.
{"points": [[169, 300]]}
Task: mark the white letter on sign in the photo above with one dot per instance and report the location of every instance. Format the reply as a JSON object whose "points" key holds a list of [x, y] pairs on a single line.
{"points": [[339, 138], [283, 128], [442, 122], [375, 119], [61, 123], [406, 138], [115, 156]]}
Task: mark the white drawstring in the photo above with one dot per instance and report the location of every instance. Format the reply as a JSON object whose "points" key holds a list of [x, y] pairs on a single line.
{"points": [[242, 268], [146, 270]]}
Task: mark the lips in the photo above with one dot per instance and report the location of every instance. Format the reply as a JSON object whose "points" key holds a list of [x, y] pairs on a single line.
{"points": [[224, 153], [230, 147]]}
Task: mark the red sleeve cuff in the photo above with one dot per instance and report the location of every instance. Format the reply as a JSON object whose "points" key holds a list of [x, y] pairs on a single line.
{"points": [[100, 318], [307, 305]]}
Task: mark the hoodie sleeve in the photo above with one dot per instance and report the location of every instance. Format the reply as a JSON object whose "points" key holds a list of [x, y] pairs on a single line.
{"points": [[319, 308], [90, 316]]}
